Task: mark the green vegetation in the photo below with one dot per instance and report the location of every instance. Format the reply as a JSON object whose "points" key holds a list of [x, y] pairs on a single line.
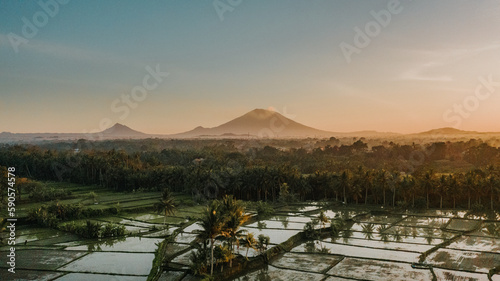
{"points": [[94, 229], [430, 175], [249, 242], [166, 206], [263, 209], [82, 193], [53, 214], [220, 220]]}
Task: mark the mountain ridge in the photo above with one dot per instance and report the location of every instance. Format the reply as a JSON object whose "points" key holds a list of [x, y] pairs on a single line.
{"points": [[258, 123], [450, 131]]}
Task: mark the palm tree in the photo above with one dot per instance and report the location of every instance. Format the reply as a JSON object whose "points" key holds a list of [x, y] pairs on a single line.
{"points": [[492, 183], [442, 189], [323, 219], [470, 183], [235, 217], [222, 254], [343, 183], [427, 184], [212, 222], [264, 241], [395, 180], [382, 182], [249, 242], [367, 182], [336, 226], [166, 206], [458, 184]]}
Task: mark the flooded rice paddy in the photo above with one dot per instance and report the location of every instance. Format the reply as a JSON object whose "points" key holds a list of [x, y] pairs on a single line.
{"points": [[48, 254], [371, 246], [378, 246]]}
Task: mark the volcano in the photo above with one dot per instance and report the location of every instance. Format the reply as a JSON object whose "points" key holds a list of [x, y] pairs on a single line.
{"points": [[260, 123], [121, 131]]}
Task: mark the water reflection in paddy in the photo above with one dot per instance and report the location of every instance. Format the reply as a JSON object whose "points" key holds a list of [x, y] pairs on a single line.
{"points": [[117, 263], [276, 236], [355, 251], [129, 244], [99, 277], [283, 224]]}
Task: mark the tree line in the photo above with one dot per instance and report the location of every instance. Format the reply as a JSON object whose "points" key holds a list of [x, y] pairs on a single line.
{"points": [[435, 175]]}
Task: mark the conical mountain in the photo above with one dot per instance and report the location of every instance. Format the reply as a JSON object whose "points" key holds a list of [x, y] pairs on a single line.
{"points": [[258, 123], [122, 131]]}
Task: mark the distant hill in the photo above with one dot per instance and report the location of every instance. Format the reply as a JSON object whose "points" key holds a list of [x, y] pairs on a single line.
{"points": [[258, 123], [448, 131], [121, 131], [370, 134], [117, 131]]}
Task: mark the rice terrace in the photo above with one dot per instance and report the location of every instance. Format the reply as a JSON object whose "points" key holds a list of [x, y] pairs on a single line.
{"points": [[236, 209], [235, 140]]}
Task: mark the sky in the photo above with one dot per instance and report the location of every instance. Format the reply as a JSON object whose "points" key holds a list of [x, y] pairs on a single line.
{"points": [[164, 67]]}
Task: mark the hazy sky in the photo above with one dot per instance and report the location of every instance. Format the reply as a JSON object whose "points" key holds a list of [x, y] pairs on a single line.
{"points": [[76, 66]]}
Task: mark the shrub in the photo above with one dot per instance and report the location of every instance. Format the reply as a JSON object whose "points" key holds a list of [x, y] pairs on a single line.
{"points": [[310, 228], [111, 230], [263, 209], [54, 213], [94, 229], [40, 192]]}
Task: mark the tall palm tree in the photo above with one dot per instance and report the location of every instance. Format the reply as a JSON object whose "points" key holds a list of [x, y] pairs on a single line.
{"points": [[367, 182], [235, 217], [442, 189], [166, 206], [492, 183], [427, 184], [344, 184], [212, 222], [395, 181], [470, 184], [382, 182]]}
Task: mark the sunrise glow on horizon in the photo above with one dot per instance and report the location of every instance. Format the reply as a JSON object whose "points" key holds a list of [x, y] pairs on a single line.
{"points": [[167, 67]]}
